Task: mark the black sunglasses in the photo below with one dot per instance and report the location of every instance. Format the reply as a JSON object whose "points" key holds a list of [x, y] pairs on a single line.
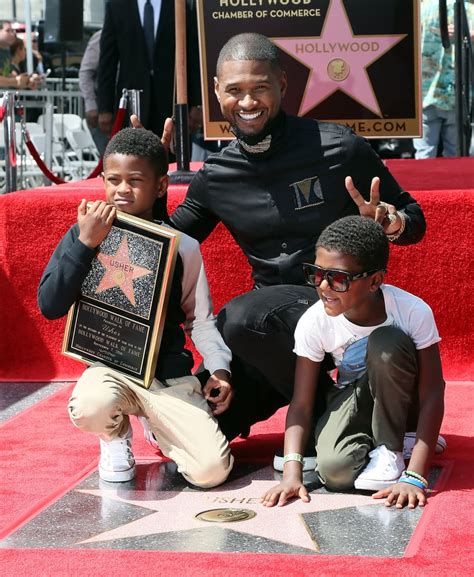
{"points": [[338, 280]]}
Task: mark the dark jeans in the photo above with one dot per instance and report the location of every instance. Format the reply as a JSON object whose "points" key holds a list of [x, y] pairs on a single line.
{"points": [[259, 328]]}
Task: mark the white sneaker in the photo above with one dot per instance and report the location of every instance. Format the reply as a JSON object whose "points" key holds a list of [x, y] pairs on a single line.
{"points": [[117, 464], [384, 469], [309, 463], [409, 443]]}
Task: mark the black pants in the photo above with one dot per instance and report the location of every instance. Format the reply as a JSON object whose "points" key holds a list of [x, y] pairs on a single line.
{"points": [[259, 328]]}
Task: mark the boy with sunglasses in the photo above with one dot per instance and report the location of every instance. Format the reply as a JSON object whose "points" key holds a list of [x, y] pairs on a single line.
{"points": [[384, 343]]}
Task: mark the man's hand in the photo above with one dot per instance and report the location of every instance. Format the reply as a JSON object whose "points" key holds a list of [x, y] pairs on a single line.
{"points": [[287, 489], [218, 391], [168, 129], [402, 494], [105, 122], [95, 222], [381, 212], [22, 80], [34, 81]]}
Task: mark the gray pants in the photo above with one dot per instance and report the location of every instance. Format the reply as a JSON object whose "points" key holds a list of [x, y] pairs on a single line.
{"points": [[373, 411]]}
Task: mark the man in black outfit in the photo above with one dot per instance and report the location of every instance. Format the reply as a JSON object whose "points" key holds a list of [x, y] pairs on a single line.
{"points": [[276, 187]]}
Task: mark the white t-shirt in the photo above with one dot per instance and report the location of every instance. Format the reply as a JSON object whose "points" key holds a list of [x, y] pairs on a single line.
{"points": [[317, 333]]}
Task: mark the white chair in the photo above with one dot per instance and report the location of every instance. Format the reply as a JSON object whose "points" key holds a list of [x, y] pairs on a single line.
{"points": [[85, 150]]}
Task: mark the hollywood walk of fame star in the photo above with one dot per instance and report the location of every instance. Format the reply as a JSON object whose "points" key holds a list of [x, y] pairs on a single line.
{"points": [[175, 511], [338, 60], [120, 271]]}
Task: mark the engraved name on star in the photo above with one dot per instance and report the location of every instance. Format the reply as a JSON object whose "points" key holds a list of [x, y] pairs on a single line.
{"points": [[120, 271], [338, 60], [175, 511]]}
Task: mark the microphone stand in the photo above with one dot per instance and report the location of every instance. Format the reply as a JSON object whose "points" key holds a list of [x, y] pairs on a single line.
{"points": [[183, 174]]}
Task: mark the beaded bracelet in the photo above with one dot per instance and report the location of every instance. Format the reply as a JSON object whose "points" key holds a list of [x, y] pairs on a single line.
{"points": [[293, 457], [412, 481], [416, 476]]}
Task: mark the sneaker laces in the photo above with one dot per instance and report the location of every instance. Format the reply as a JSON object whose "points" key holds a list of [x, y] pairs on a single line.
{"points": [[381, 459], [117, 452]]}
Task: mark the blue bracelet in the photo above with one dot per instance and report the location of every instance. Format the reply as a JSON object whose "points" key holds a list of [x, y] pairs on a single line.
{"points": [[412, 481]]}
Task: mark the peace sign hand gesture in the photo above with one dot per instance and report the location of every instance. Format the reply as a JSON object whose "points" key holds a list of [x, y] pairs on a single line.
{"points": [[382, 212]]}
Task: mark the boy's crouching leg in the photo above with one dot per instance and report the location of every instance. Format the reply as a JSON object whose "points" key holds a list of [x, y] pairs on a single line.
{"points": [[338, 469], [393, 374], [187, 432], [100, 403]]}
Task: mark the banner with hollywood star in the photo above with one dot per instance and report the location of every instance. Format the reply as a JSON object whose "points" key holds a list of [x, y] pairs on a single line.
{"points": [[119, 316], [355, 62]]}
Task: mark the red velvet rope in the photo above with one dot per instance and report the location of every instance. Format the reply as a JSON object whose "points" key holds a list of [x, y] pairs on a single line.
{"points": [[56, 179], [39, 161]]}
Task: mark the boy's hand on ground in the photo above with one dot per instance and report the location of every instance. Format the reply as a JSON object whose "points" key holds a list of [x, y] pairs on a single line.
{"points": [[402, 494], [94, 222], [218, 391], [281, 493]]}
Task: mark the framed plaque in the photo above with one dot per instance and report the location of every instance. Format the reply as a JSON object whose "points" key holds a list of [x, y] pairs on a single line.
{"points": [[354, 62], [119, 316]]}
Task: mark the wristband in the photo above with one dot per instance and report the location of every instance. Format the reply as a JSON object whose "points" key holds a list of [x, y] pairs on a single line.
{"points": [[293, 457], [412, 481], [408, 473]]}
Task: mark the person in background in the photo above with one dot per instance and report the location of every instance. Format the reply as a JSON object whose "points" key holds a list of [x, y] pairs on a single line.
{"points": [[17, 56], [88, 72], [137, 51], [438, 82], [7, 39], [384, 342]]}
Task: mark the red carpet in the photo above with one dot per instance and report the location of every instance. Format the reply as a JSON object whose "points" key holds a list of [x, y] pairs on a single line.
{"points": [[45, 456], [32, 222]]}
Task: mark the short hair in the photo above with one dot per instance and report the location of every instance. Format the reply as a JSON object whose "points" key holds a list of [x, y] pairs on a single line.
{"points": [[359, 237], [249, 46], [142, 143], [19, 43]]}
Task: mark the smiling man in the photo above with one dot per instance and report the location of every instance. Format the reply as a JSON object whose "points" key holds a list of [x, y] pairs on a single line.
{"points": [[276, 187]]}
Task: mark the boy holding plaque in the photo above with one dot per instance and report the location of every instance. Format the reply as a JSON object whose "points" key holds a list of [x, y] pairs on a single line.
{"points": [[384, 343], [178, 411]]}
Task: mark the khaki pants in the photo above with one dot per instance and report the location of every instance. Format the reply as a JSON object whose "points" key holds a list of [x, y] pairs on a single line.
{"points": [[375, 410], [179, 417]]}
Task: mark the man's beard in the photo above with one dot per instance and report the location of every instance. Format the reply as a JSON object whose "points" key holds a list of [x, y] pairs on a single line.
{"points": [[253, 139]]}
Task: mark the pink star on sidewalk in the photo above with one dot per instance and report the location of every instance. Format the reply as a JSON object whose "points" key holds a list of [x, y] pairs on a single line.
{"points": [[338, 60], [175, 511]]}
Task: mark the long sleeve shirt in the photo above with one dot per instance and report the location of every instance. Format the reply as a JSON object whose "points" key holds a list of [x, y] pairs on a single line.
{"points": [[190, 307], [276, 203]]}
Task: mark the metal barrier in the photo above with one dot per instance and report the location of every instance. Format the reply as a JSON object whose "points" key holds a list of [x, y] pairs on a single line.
{"points": [[52, 131], [30, 105]]}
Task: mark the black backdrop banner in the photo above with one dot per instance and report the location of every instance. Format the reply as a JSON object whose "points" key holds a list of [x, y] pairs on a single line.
{"points": [[355, 62]]}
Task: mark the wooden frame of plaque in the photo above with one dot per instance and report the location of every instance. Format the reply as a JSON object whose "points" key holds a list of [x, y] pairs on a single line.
{"points": [[119, 316]]}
